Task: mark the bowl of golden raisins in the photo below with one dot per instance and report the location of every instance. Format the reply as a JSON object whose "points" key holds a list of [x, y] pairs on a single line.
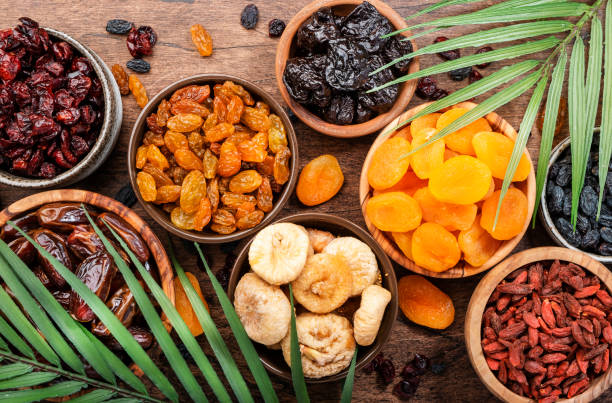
{"points": [[213, 158], [433, 210]]}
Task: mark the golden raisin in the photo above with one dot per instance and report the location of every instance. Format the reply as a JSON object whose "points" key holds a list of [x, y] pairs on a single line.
{"points": [[281, 165], [192, 191], [156, 158], [424, 304], [212, 192], [495, 150], [121, 78], [160, 177], [203, 214], [477, 245], [265, 196], [220, 106], [181, 219], [266, 167], [168, 194], [263, 107], [201, 39], [163, 112], [153, 138], [231, 87], [461, 180], [512, 214], [219, 132], [434, 248], [245, 181], [250, 220], [235, 200], [234, 109], [255, 120], [387, 166], [190, 106], [141, 156], [197, 93], [210, 164], [138, 90], [451, 216], [146, 186], [196, 143], [175, 140], [222, 229], [211, 121], [319, 180], [394, 211], [251, 151], [187, 159], [244, 209], [223, 217], [229, 160], [461, 140], [184, 122]]}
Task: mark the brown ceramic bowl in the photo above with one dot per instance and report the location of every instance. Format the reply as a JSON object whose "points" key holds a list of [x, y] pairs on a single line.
{"points": [[140, 127], [285, 50], [478, 302], [462, 269], [104, 203], [273, 359]]}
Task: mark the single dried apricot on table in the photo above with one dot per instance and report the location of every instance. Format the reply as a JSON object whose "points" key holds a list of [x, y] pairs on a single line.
{"points": [[404, 242], [387, 166], [394, 211], [426, 121], [461, 140], [424, 303], [512, 214], [460, 180], [495, 150], [434, 247], [451, 216], [477, 245], [429, 158], [183, 305], [319, 180]]}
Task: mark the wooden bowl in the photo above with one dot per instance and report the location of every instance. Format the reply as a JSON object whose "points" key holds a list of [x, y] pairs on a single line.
{"points": [[140, 127], [462, 269], [476, 308], [106, 204], [273, 359], [285, 50]]}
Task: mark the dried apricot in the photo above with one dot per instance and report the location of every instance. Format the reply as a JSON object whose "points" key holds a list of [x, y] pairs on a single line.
{"points": [[319, 180], [187, 159], [403, 240], [424, 303], [245, 182], [181, 219], [156, 158], [495, 150], [146, 186], [451, 216], [229, 160], [429, 158], [394, 211], [434, 247], [405, 133], [423, 122], [183, 305], [175, 140], [184, 122], [512, 214], [461, 140], [461, 180], [477, 245], [409, 184], [192, 191], [448, 154], [387, 166], [168, 194], [203, 214]]}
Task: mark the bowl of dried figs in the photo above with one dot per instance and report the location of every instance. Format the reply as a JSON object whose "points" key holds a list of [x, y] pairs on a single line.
{"points": [[60, 108], [213, 158], [538, 327], [324, 60], [343, 284], [433, 212]]}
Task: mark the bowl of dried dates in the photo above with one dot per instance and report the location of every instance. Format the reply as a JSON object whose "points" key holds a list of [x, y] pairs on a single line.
{"points": [[344, 288], [433, 212], [593, 233], [213, 158], [56, 220], [538, 327], [324, 60], [60, 109]]}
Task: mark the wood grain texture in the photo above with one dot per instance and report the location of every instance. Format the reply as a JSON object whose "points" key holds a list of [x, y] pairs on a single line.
{"points": [[251, 55], [462, 269]]}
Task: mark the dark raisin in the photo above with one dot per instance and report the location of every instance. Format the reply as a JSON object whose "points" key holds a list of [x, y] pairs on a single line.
{"points": [[588, 201], [438, 94], [448, 54], [590, 240], [555, 199], [483, 50], [409, 370], [374, 364], [564, 175], [438, 367], [460, 74], [126, 195], [567, 231], [276, 28], [426, 87], [138, 65], [140, 41], [404, 390], [605, 249], [606, 234], [582, 224], [386, 370], [474, 76], [249, 16], [567, 204], [118, 26], [553, 170]]}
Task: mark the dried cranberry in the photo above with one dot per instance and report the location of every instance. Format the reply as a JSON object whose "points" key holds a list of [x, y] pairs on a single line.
{"points": [[81, 64], [35, 162], [484, 49], [10, 65], [88, 115], [79, 146], [426, 87], [438, 94], [47, 170], [386, 369], [45, 103], [55, 68], [140, 41], [62, 51], [41, 124], [69, 116], [448, 54], [474, 76], [404, 390], [421, 363], [374, 364], [276, 28], [60, 160], [79, 87], [63, 99]]}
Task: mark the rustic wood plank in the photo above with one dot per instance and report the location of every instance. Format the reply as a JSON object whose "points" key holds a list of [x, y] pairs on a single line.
{"points": [[250, 54]]}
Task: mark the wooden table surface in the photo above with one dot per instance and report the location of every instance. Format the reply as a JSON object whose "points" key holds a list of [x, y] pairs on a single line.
{"points": [[250, 55]]}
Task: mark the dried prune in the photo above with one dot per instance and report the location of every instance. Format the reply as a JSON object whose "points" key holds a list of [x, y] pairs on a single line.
{"points": [[347, 67], [314, 33], [341, 110], [448, 54], [382, 100], [460, 74], [249, 16], [140, 41], [484, 49], [276, 28], [138, 65], [362, 114], [395, 49], [303, 77], [367, 26], [118, 26]]}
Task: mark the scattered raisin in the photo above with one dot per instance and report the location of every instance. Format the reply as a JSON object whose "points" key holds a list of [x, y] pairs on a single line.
{"points": [[460, 74], [484, 49], [126, 195], [276, 28], [138, 65], [249, 16], [448, 54], [121, 78], [201, 39], [118, 26], [404, 390]]}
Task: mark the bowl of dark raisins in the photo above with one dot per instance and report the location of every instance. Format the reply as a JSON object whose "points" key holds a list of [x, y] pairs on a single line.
{"points": [[324, 59], [60, 108], [593, 235]]}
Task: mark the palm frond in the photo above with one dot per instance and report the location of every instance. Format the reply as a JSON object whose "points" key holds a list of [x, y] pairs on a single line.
{"points": [[297, 373], [28, 380], [347, 389], [34, 395], [95, 396], [13, 370], [441, 4], [605, 135], [12, 337]]}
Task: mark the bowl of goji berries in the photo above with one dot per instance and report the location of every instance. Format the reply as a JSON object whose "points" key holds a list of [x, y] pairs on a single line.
{"points": [[60, 110], [538, 327], [213, 158]]}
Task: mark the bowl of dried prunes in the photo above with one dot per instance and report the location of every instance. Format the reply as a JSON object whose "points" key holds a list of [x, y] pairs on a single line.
{"points": [[324, 62], [593, 234]]}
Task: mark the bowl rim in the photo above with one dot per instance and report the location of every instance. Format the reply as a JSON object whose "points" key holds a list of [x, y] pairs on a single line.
{"points": [[529, 188], [404, 96], [481, 294], [162, 218], [111, 94], [385, 267], [544, 214], [105, 203]]}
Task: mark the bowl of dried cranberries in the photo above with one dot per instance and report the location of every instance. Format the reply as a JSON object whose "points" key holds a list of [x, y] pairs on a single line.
{"points": [[213, 158], [60, 109], [538, 327], [324, 60]]}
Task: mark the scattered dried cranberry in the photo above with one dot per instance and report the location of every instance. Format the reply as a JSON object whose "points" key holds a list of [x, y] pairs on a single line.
{"points": [[249, 16], [374, 364], [421, 363], [276, 28], [448, 54], [438, 94], [386, 369], [426, 87], [140, 41], [483, 50], [474, 76], [460, 74], [405, 390]]}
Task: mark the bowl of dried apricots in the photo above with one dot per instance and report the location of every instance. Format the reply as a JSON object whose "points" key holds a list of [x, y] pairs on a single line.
{"points": [[213, 158], [433, 211]]}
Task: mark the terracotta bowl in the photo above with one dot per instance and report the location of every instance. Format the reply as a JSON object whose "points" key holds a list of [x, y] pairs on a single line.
{"points": [[285, 50], [104, 203], [109, 131], [462, 269], [476, 308], [163, 218], [273, 359]]}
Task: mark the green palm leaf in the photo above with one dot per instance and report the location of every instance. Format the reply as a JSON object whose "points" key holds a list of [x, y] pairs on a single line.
{"points": [[347, 389], [11, 335], [33, 395], [605, 140], [95, 396], [444, 3], [12, 370], [576, 108], [297, 374], [28, 380]]}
